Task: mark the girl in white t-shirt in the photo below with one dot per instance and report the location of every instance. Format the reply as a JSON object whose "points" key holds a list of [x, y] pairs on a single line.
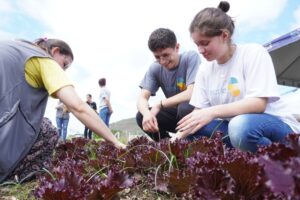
{"points": [[236, 91]]}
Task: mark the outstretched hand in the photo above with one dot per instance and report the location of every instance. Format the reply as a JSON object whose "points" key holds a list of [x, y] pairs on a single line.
{"points": [[194, 121], [120, 145]]}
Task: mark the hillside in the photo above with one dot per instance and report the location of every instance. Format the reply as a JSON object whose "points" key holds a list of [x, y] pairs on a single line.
{"points": [[126, 125]]}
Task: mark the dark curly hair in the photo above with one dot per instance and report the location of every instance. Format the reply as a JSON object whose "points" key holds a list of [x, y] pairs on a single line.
{"points": [[162, 38]]}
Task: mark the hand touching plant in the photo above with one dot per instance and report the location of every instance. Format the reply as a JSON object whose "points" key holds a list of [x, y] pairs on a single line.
{"points": [[149, 121], [193, 122]]}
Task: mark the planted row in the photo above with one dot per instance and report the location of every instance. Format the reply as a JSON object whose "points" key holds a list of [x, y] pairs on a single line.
{"points": [[203, 169]]}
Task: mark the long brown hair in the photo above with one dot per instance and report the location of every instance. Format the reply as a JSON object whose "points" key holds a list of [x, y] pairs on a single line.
{"points": [[48, 44]]}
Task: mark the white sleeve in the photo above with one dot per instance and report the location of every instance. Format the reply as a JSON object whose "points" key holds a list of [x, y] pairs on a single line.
{"points": [[199, 97], [259, 74]]}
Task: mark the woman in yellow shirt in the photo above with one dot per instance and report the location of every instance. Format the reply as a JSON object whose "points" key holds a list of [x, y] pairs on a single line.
{"points": [[29, 72]]}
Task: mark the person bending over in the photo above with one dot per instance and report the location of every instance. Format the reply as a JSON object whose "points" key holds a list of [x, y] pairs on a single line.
{"points": [[29, 73]]}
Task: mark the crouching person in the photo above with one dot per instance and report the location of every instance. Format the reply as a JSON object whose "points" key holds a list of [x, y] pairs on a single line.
{"points": [[175, 74]]}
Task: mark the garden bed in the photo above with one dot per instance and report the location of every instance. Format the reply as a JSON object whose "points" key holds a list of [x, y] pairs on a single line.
{"points": [[203, 169]]}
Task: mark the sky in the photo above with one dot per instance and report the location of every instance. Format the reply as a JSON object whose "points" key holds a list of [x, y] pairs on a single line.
{"points": [[109, 38]]}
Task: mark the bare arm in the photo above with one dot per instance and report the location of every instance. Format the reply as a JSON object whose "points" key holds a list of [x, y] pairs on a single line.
{"points": [[178, 98], [200, 117], [85, 114], [149, 118], [142, 102], [248, 105], [59, 105]]}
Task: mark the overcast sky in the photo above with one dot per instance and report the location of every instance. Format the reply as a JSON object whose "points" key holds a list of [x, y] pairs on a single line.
{"points": [[109, 38]]}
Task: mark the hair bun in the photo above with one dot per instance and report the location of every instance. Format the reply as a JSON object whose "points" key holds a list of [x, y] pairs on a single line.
{"points": [[224, 6]]}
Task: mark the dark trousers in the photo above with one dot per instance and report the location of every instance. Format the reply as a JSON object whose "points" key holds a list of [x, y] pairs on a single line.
{"points": [[167, 120], [87, 133]]}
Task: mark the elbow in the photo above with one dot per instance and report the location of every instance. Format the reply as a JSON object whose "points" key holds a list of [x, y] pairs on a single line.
{"points": [[261, 105]]}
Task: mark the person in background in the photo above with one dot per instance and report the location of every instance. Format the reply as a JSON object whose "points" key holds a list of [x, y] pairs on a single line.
{"points": [[105, 109], [29, 73], [174, 73], [236, 91], [93, 105], [62, 120]]}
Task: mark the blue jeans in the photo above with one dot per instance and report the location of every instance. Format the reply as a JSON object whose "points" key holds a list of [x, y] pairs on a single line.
{"points": [[247, 131], [62, 126], [105, 115]]}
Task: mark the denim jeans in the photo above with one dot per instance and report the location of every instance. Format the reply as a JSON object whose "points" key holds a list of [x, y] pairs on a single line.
{"points": [[62, 126], [105, 115], [247, 131]]}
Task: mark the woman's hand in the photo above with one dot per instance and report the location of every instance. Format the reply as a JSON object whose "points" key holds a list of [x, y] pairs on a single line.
{"points": [[194, 121], [120, 145]]}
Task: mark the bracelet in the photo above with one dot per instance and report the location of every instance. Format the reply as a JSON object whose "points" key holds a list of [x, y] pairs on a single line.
{"points": [[161, 105]]}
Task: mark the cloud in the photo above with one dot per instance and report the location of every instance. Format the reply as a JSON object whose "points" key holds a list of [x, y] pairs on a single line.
{"points": [[297, 18], [254, 15], [6, 6]]}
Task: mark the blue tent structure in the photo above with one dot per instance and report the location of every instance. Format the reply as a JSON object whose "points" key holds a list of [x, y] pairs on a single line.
{"points": [[285, 53]]}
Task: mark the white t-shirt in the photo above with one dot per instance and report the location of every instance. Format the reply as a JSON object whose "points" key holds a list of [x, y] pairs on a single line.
{"points": [[249, 73], [287, 109], [104, 93]]}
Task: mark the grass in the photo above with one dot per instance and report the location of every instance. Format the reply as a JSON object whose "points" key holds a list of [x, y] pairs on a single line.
{"points": [[25, 192], [18, 191]]}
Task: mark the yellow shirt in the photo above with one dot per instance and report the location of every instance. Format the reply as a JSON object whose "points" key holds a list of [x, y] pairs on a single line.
{"points": [[45, 73]]}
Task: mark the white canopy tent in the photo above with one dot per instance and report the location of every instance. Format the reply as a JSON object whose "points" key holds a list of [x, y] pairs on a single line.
{"points": [[285, 52]]}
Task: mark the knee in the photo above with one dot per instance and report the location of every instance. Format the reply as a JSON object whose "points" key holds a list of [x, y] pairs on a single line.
{"points": [[236, 130]]}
